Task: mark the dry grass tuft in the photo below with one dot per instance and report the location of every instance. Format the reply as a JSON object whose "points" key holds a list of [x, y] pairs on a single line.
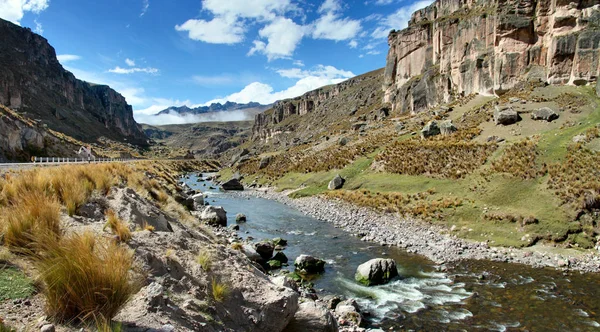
{"points": [[118, 226], [220, 291], [237, 246], [30, 217], [205, 260], [85, 278], [519, 160]]}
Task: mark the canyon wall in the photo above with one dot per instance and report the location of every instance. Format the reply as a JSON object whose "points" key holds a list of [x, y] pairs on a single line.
{"points": [[34, 83], [460, 47]]}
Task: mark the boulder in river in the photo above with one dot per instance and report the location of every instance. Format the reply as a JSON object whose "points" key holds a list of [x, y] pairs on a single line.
{"points": [[309, 264], [312, 317], [279, 242], [336, 183], [349, 313], [251, 253], [265, 249], [377, 271], [233, 184], [214, 215], [240, 217], [279, 256], [198, 201]]}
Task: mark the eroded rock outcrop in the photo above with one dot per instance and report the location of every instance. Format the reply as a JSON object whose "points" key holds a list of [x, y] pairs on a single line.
{"points": [[33, 81], [458, 47]]}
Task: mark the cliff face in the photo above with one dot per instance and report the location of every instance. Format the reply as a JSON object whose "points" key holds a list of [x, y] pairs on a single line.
{"points": [[33, 82], [459, 47], [301, 117]]}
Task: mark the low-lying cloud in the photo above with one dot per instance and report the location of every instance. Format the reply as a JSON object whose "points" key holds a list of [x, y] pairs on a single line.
{"points": [[176, 118]]}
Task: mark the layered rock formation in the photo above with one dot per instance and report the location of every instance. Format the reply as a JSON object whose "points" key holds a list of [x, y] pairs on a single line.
{"points": [[460, 47], [33, 82], [327, 105]]}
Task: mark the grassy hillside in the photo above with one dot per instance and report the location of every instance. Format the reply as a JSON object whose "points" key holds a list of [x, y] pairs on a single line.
{"points": [[513, 185]]}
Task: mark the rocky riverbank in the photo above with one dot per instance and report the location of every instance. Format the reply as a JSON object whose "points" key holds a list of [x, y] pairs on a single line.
{"points": [[421, 238]]}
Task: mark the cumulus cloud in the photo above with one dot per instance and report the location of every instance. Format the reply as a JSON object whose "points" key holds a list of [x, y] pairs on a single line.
{"points": [[353, 44], [283, 36], [308, 80], [119, 70], [219, 30], [14, 10], [333, 27], [399, 19], [39, 29], [255, 9], [64, 58], [130, 62]]}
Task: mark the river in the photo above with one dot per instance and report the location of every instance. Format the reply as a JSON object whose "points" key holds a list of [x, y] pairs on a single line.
{"points": [[469, 295]]}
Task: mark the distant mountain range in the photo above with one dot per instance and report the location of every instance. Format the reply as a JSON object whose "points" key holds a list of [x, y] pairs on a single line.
{"points": [[250, 107]]}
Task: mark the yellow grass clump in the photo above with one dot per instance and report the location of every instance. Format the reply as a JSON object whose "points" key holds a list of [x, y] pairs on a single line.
{"points": [[118, 226], [519, 160], [220, 291], [85, 278]]}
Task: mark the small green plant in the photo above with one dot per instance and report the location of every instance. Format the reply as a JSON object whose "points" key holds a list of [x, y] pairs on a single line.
{"points": [[220, 291], [14, 284], [205, 259]]}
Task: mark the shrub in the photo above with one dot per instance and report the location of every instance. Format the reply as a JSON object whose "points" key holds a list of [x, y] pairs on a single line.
{"points": [[118, 226], [519, 160], [219, 290], [84, 278]]}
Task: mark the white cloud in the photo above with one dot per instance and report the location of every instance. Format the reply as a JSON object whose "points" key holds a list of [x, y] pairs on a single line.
{"points": [[308, 81], [130, 62], [399, 19], [330, 26], [353, 44], [39, 29], [64, 58], [225, 79], [298, 63], [174, 118], [219, 30], [373, 52], [256, 9], [283, 36], [119, 70], [14, 10], [330, 6], [319, 71], [145, 6]]}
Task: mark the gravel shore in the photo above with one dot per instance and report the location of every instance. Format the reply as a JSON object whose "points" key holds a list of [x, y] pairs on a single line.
{"points": [[419, 237]]}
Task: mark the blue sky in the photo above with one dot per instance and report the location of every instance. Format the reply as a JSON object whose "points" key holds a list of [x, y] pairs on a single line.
{"points": [[161, 53]]}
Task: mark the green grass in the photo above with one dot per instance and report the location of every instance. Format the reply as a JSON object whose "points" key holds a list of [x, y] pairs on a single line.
{"points": [[14, 284]]}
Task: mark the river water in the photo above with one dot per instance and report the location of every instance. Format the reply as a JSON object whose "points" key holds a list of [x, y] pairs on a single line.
{"points": [[469, 295]]}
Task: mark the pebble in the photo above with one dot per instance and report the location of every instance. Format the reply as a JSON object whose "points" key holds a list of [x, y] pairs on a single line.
{"points": [[48, 328]]}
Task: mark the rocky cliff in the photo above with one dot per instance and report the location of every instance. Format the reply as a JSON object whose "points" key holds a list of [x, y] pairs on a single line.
{"points": [[461, 47], [33, 82], [301, 117]]}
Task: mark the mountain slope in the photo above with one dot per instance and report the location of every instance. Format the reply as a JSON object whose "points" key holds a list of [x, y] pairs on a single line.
{"points": [[34, 83]]}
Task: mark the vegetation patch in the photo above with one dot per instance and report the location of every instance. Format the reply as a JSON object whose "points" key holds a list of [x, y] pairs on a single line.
{"points": [[520, 160], [14, 284]]}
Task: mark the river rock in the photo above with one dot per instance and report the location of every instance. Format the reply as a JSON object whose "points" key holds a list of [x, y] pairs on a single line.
{"points": [[430, 129], [336, 183], [251, 253], [309, 264], [198, 201], [377, 271], [274, 264], [233, 184], [279, 242], [240, 217], [447, 127], [348, 313], [214, 215], [312, 317], [279, 256], [264, 249], [545, 114], [505, 115]]}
